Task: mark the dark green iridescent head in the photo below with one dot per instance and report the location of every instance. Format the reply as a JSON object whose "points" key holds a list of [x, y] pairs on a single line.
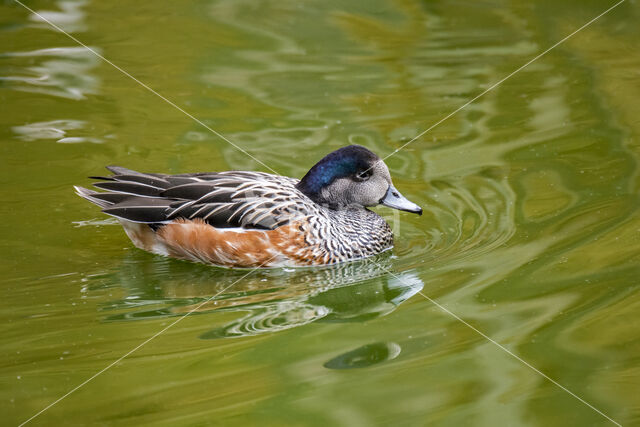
{"points": [[344, 162], [353, 177]]}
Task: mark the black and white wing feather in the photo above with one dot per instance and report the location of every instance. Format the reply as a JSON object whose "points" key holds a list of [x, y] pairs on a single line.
{"points": [[222, 199]]}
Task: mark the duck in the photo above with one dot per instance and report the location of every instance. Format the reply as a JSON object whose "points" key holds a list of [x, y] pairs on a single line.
{"points": [[247, 219]]}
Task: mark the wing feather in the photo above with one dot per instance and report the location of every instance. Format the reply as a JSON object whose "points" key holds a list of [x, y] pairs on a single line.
{"points": [[223, 199]]}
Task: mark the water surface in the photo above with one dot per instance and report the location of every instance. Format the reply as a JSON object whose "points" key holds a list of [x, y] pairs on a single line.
{"points": [[531, 231]]}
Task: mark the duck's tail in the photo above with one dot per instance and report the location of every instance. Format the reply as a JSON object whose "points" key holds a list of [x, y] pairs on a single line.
{"points": [[94, 197]]}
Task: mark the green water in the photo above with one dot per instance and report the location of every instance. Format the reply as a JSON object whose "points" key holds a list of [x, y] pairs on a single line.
{"points": [[531, 231]]}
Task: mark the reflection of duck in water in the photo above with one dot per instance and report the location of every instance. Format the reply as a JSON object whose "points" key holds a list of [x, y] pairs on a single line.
{"points": [[355, 303], [255, 219], [272, 300]]}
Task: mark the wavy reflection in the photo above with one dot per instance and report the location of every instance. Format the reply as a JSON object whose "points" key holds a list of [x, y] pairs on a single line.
{"points": [[61, 72], [267, 301], [365, 356], [69, 17], [57, 130]]}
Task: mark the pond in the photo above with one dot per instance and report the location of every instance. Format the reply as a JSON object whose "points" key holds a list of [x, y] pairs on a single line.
{"points": [[513, 300]]}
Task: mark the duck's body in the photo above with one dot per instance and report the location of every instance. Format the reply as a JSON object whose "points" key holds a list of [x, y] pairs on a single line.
{"points": [[254, 219]]}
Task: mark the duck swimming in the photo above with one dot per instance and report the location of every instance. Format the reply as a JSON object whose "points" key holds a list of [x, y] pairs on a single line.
{"points": [[256, 219]]}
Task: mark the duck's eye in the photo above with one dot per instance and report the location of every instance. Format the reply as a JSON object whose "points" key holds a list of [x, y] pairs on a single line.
{"points": [[363, 176]]}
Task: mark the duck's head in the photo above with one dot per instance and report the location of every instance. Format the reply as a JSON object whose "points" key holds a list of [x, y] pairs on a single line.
{"points": [[350, 176]]}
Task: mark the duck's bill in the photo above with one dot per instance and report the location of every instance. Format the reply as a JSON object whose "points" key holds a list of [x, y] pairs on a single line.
{"points": [[394, 199]]}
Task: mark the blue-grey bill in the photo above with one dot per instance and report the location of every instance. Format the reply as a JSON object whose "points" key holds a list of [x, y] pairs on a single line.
{"points": [[394, 199]]}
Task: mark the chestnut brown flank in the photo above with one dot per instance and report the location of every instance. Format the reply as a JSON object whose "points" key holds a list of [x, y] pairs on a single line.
{"points": [[198, 241]]}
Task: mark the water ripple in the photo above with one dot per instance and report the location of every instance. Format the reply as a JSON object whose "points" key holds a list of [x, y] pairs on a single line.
{"points": [[61, 71]]}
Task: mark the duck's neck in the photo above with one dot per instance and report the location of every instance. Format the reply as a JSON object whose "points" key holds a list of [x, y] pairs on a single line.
{"points": [[313, 183], [314, 188], [325, 198]]}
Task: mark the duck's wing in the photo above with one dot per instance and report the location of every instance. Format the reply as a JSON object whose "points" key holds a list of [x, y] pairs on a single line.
{"points": [[223, 199]]}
